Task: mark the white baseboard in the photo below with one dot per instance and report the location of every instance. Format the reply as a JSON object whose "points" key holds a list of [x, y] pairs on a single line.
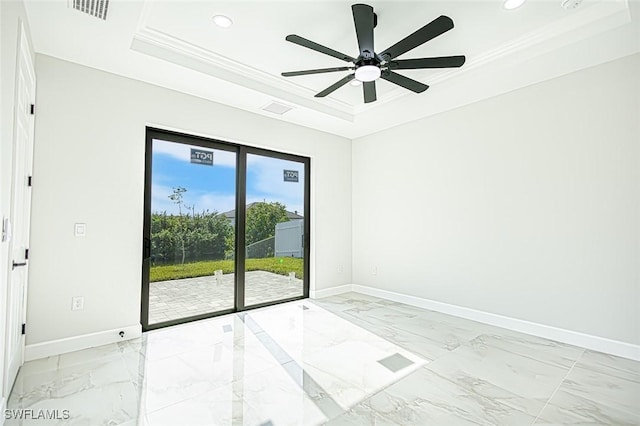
{"points": [[596, 343], [76, 343], [332, 291]]}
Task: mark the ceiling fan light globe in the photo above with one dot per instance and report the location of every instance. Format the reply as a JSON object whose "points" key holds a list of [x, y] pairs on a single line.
{"points": [[368, 73]]}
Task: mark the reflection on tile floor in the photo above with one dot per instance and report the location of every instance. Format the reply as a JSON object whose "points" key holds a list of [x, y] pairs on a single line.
{"points": [[345, 360]]}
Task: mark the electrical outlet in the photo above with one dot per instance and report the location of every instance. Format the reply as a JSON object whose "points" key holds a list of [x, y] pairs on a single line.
{"points": [[77, 303], [340, 268], [80, 230], [374, 270]]}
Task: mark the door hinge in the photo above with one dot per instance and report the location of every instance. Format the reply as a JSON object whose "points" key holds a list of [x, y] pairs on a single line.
{"points": [[26, 254], [30, 181], [24, 328], [32, 110]]}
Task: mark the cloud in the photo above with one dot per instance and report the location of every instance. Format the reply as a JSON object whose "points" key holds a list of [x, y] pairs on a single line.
{"points": [[215, 202], [160, 201], [267, 181], [219, 202]]}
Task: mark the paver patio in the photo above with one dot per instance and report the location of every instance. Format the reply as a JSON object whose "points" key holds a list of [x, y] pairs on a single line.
{"points": [[174, 299]]}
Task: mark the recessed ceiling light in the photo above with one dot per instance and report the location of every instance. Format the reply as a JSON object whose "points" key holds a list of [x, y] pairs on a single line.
{"points": [[512, 4], [367, 73], [222, 21], [355, 82]]}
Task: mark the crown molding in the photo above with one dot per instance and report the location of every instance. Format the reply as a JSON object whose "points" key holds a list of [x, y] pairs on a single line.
{"points": [[163, 46]]}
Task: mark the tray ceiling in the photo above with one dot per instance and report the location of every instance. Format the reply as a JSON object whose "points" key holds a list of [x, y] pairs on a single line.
{"points": [[175, 44]]}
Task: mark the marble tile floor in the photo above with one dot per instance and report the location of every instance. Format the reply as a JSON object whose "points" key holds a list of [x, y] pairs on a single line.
{"points": [[350, 359], [175, 299]]}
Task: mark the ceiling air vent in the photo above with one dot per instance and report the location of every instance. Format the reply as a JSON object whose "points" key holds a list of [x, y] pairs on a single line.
{"points": [[97, 8], [277, 108]]}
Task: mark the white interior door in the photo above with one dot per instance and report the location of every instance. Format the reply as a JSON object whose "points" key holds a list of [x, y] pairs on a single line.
{"points": [[20, 211]]}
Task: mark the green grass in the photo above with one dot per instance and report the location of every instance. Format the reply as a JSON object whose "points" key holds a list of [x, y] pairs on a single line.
{"points": [[277, 265]]}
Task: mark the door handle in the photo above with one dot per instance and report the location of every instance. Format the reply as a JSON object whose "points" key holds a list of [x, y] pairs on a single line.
{"points": [[146, 248], [16, 265]]}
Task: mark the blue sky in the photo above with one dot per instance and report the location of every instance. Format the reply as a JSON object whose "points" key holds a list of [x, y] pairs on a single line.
{"points": [[213, 187]]}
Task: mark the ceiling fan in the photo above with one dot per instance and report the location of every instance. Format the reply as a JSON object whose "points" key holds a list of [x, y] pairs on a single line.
{"points": [[369, 65]]}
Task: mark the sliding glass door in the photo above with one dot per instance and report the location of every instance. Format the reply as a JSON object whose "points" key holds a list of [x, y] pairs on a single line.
{"points": [[191, 242], [275, 229], [225, 228]]}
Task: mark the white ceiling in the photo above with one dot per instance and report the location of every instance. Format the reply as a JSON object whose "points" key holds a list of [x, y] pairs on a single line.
{"points": [[175, 44]]}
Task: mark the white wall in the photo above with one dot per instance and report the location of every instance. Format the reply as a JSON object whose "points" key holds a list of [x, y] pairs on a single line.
{"points": [[89, 167], [526, 205], [11, 14]]}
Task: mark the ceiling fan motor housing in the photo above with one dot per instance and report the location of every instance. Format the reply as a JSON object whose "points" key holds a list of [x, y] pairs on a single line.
{"points": [[373, 61]]}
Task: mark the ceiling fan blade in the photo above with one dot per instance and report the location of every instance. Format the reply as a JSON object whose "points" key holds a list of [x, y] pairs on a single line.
{"points": [[369, 89], [335, 86], [440, 62], [407, 83], [433, 29], [318, 47], [363, 20], [318, 71]]}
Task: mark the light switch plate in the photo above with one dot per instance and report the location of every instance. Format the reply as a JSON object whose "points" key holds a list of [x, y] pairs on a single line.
{"points": [[6, 230], [80, 230]]}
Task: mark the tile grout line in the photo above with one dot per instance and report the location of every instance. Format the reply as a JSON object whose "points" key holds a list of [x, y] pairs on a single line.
{"points": [[558, 387]]}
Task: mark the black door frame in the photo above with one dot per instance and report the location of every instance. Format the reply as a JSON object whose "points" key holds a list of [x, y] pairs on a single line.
{"points": [[241, 152]]}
